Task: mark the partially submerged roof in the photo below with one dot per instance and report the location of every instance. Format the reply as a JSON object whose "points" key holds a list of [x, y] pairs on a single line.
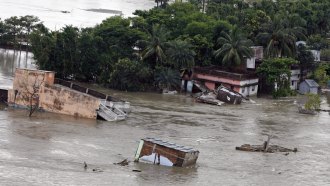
{"points": [[170, 145], [311, 83]]}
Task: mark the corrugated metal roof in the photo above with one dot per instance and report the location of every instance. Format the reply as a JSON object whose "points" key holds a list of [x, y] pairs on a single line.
{"points": [[311, 83], [170, 145]]}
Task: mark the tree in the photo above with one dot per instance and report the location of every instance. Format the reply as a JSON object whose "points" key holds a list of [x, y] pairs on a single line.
{"points": [[305, 59], [280, 42], [202, 46], [89, 59], [130, 76], [277, 73], [161, 3], [167, 78], [234, 48], [313, 102], [253, 22], [316, 42], [156, 45], [14, 29], [321, 75], [29, 23], [31, 92], [181, 55]]}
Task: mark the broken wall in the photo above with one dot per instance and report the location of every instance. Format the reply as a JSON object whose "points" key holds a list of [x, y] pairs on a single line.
{"points": [[26, 83], [62, 100]]}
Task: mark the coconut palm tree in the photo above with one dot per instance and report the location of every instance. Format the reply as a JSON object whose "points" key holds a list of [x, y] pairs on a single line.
{"points": [[180, 54], [281, 37], [167, 78], [234, 48], [155, 44]]}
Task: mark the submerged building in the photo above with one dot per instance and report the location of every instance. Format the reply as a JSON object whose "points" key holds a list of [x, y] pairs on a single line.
{"points": [[243, 79], [212, 77], [40, 89]]}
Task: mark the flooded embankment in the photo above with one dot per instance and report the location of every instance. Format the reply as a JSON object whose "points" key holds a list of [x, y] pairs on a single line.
{"points": [[50, 149]]}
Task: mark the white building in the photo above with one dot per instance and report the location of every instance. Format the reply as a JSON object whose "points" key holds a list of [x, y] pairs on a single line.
{"points": [[294, 80], [258, 55]]}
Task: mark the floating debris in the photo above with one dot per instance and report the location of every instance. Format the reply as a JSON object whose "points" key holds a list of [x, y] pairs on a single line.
{"points": [[97, 170], [209, 98], [228, 95], [135, 170], [260, 148], [265, 148], [85, 165], [161, 152], [122, 163], [306, 111]]}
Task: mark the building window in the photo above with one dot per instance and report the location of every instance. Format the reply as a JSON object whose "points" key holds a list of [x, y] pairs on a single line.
{"points": [[292, 83], [243, 89], [253, 88]]}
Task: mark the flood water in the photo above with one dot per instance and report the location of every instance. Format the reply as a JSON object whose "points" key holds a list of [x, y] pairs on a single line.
{"points": [[50, 11], [50, 149], [9, 61]]}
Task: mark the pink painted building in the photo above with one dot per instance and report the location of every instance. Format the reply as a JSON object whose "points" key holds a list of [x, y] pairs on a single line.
{"points": [[244, 83]]}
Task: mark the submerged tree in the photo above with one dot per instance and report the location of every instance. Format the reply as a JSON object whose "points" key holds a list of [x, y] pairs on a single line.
{"points": [[31, 91], [313, 102]]}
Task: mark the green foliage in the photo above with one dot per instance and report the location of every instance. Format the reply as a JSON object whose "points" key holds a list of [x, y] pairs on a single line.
{"points": [[129, 76], [16, 29], [280, 39], [254, 20], [156, 43], [277, 73], [317, 42], [306, 60], [167, 78], [181, 55], [321, 74], [313, 102], [234, 48], [202, 47], [325, 54]]}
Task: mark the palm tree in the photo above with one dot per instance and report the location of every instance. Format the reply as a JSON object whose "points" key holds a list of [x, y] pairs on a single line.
{"points": [[234, 48], [166, 78], [181, 55], [162, 3], [281, 37], [155, 44]]}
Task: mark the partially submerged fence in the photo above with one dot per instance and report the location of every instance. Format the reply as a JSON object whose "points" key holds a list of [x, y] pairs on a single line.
{"points": [[85, 90]]}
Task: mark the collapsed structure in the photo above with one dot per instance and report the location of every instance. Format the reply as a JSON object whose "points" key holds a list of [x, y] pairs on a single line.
{"points": [[161, 152], [40, 89]]}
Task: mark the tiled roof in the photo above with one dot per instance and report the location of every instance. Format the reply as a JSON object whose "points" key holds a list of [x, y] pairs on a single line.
{"points": [[170, 145]]}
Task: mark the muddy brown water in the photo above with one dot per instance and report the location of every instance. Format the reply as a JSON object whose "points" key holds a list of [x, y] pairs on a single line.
{"points": [[49, 149]]}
